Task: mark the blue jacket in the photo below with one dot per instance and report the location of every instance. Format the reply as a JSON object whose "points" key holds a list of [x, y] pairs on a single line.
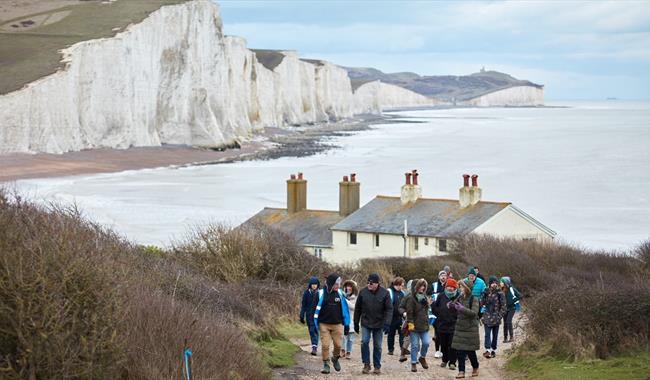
{"points": [[309, 300], [344, 306], [478, 288]]}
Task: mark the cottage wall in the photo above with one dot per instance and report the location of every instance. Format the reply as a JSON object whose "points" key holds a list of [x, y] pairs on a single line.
{"points": [[508, 223]]}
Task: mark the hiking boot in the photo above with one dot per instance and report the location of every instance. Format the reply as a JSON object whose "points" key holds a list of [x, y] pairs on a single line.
{"points": [[452, 366], [335, 362], [407, 351], [437, 355], [390, 352], [414, 367], [461, 375], [326, 367], [366, 369], [313, 350], [493, 354], [505, 340], [423, 362], [376, 371], [486, 354], [402, 358], [474, 372], [348, 355], [443, 364]]}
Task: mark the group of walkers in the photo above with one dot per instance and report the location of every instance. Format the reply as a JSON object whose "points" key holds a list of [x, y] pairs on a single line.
{"points": [[339, 312]]}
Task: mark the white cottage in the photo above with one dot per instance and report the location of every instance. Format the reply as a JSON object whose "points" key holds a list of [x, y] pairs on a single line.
{"points": [[408, 225]]}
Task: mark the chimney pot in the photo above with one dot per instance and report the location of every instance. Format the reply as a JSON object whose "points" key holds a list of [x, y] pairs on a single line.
{"points": [[345, 178], [466, 180], [474, 180], [293, 176], [299, 175], [415, 177], [353, 177], [408, 178]]}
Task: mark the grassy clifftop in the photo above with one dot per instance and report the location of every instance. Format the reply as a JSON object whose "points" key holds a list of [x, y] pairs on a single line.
{"points": [[29, 54]]}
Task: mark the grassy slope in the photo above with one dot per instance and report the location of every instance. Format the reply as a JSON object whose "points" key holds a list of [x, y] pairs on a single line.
{"points": [[28, 56], [632, 367], [280, 351]]}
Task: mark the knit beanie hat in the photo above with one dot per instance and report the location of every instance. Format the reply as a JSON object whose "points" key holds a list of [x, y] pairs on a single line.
{"points": [[441, 273], [506, 280], [471, 270], [451, 283], [493, 280], [374, 278]]}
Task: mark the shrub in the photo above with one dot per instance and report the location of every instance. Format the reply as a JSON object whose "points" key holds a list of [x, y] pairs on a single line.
{"points": [[60, 295], [248, 252]]}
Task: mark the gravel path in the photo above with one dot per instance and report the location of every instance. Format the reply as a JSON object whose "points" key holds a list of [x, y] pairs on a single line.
{"points": [[308, 367]]}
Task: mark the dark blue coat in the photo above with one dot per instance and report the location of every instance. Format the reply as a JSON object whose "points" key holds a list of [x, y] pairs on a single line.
{"points": [[309, 301]]}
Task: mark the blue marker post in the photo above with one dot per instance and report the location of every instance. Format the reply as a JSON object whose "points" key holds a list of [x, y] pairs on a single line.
{"points": [[187, 360]]}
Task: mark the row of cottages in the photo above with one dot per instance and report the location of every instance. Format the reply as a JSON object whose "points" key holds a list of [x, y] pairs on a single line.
{"points": [[408, 225]]}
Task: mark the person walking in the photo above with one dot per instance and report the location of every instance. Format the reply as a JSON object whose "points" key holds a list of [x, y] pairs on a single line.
{"points": [[409, 291], [437, 287], [466, 340], [417, 317], [396, 294], [475, 283], [333, 320], [493, 304], [374, 312], [351, 290], [446, 322], [479, 275], [307, 309], [512, 305]]}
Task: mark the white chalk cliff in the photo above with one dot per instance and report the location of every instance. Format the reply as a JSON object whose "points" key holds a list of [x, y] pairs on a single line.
{"points": [[175, 78], [513, 96]]}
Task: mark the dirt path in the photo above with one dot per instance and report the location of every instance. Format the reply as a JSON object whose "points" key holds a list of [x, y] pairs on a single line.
{"points": [[308, 367]]}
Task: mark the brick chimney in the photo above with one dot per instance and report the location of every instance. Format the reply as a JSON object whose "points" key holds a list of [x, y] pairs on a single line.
{"points": [[464, 196], [411, 191], [296, 193], [349, 193], [475, 192]]}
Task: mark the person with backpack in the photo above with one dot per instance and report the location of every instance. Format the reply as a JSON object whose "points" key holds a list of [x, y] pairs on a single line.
{"points": [[373, 311], [307, 309], [396, 295], [446, 322], [417, 316], [512, 306], [466, 340], [333, 320], [493, 303], [437, 287], [351, 290]]}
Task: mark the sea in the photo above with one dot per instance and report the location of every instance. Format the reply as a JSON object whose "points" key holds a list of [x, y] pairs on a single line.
{"points": [[582, 168]]}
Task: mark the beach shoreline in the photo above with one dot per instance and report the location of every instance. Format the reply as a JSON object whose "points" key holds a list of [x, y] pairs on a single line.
{"points": [[269, 143]]}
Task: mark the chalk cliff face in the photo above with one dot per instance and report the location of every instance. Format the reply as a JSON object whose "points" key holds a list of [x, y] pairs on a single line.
{"points": [[176, 79], [373, 97], [513, 96]]}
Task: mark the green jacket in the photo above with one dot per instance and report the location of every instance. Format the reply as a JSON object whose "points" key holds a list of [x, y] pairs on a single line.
{"points": [[417, 313], [466, 336]]}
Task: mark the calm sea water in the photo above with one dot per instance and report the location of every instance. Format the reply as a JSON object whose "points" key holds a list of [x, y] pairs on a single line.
{"points": [[584, 171]]}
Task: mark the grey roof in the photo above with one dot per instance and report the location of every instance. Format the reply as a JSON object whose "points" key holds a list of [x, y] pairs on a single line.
{"points": [[308, 227], [426, 217]]}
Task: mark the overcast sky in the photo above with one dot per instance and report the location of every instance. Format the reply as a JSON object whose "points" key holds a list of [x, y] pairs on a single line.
{"points": [[579, 50]]}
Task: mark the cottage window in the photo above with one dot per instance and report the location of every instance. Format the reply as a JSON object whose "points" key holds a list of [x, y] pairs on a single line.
{"points": [[426, 241], [376, 240], [416, 243], [353, 238], [442, 245]]}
